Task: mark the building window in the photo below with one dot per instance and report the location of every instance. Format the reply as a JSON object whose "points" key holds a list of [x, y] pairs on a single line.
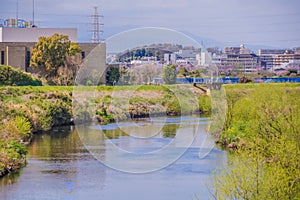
{"points": [[27, 60], [82, 54], [2, 58]]}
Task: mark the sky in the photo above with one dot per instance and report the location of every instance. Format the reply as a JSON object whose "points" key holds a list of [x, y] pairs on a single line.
{"points": [[274, 23]]}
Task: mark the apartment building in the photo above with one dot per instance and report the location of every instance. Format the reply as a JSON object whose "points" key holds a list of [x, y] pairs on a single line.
{"points": [[239, 57], [282, 60]]}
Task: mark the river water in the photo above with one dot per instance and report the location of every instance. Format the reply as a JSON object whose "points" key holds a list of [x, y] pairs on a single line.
{"points": [[60, 166]]}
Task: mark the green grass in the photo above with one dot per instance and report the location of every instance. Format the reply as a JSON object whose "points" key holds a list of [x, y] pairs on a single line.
{"points": [[263, 128]]}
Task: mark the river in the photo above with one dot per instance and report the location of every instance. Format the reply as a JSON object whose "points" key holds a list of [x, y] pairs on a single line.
{"points": [[60, 166]]}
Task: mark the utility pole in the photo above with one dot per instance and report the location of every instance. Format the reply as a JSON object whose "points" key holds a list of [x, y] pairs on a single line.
{"points": [[33, 13], [17, 13], [96, 26]]}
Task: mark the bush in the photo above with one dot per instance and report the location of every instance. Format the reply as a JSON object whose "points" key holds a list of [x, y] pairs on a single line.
{"points": [[169, 74], [11, 76], [267, 167], [205, 104]]}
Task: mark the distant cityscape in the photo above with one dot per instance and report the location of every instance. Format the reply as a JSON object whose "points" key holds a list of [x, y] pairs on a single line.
{"points": [[229, 61], [17, 39]]}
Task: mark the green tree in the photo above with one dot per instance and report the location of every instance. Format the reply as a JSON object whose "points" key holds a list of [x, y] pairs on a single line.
{"points": [[169, 74], [112, 75], [51, 53], [124, 77], [183, 72]]}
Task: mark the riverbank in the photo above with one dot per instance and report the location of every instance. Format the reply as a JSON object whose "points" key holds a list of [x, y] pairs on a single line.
{"points": [[27, 110], [250, 105], [263, 129]]}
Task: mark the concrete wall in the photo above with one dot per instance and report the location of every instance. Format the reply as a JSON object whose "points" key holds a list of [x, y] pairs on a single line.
{"points": [[94, 64], [87, 48], [33, 34], [15, 54]]}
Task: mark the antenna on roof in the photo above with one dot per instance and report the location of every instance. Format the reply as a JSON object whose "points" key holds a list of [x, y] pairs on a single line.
{"points": [[33, 13], [17, 12]]}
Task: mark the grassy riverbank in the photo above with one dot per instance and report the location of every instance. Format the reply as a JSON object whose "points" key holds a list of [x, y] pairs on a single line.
{"points": [[26, 110], [263, 126]]}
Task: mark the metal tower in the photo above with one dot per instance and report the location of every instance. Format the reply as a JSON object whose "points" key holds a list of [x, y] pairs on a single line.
{"points": [[96, 26]]}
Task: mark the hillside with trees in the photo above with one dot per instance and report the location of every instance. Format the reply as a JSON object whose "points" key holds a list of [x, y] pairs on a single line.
{"points": [[155, 50]]}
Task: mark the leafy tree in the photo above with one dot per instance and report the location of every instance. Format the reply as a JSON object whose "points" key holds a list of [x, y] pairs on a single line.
{"points": [[184, 72], [112, 75], [144, 74], [169, 74], [124, 77], [51, 53]]}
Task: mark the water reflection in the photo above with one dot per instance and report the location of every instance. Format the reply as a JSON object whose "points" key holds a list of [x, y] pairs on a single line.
{"points": [[60, 167], [169, 130], [10, 179]]}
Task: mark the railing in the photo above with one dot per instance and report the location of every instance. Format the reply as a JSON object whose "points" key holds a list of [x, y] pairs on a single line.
{"points": [[236, 80], [228, 80]]}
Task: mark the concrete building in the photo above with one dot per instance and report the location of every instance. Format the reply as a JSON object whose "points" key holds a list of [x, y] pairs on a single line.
{"points": [[232, 50], [297, 50], [205, 58], [244, 50], [248, 63], [267, 56], [240, 58], [16, 54], [282, 60], [182, 56], [266, 61], [262, 52], [33, 34], [16, 44]]}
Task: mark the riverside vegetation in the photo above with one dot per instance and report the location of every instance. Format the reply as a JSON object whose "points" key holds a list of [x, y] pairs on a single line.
{"points": [[263, 128], [26, 110]]}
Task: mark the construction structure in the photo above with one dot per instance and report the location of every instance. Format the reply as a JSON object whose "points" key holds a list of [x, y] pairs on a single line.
{"points": [[96, 26]]}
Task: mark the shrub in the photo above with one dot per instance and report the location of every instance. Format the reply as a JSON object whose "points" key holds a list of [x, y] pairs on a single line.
{"points": [[16, 77]]}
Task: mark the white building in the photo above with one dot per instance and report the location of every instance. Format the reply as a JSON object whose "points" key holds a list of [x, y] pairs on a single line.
{"points": [[205, 58], [33, 34]]}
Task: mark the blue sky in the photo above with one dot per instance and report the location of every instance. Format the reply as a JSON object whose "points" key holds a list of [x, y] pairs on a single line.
{"points": [[231, 22]]}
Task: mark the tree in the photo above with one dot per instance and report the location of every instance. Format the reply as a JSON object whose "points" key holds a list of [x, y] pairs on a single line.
{"points": [[144, 74], [112, 75], [169, 74], [184, 72], [124, 77], [51, 53]]}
